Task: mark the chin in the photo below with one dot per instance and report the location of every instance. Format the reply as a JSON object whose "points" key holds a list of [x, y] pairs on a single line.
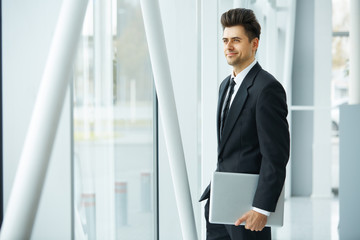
{"points": [[231, 63]]}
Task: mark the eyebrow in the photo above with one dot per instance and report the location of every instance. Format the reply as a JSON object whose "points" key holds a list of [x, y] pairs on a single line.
{"points": [[233, 38]]}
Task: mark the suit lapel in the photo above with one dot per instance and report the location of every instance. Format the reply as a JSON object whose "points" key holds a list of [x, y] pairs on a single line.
{"points": [[237, 105]]}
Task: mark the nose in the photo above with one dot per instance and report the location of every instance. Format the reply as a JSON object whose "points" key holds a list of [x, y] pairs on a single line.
{"points": [[229, 45]]}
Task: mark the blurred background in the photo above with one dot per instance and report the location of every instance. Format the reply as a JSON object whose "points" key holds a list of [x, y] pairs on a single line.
{"points": [[109, 176]]}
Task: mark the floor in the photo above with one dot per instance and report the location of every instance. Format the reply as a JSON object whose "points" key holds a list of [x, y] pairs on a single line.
{"points": [[309, 219]]}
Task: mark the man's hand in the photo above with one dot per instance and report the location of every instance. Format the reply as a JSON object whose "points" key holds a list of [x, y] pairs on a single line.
{"points": [[254, 221]]}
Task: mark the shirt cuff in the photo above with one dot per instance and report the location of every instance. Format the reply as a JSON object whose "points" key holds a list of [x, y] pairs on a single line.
{"points": [[266, 213]]}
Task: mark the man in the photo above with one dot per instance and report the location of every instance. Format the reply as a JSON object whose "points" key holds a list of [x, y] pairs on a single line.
{"points": [[253, 134]]}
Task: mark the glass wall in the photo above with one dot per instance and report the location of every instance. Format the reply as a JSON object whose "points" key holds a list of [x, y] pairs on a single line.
{"points": [[113, 126], [340, 58], [340, 77]]}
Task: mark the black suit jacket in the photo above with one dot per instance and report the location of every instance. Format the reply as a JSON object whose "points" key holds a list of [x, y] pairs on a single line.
{"points": [[256, 135]]}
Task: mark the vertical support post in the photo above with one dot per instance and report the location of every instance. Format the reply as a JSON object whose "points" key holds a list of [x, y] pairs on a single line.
{"points": [[121, 207], [271, 38], [30, 176], [349, 178], [145, 191], [210, 39], [104, 116], [288, 66], [167, 107], [349, 137], [354, 86], [89, 204], [321, 186]]}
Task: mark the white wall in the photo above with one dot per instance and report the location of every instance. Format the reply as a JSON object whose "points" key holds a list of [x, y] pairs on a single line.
{"points": [[28, 27]]}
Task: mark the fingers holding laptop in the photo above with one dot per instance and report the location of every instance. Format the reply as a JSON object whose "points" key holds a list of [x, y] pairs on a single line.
{"points": [[254, 221]]}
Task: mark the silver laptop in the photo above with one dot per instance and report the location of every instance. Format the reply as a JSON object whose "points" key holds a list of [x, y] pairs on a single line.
{"points": [[232, 195]]}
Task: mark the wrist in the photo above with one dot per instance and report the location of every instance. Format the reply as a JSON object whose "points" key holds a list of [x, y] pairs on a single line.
{"points": [[264, 212]]}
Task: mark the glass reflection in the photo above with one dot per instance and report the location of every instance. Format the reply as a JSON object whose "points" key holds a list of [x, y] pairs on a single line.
{"points": [[113, 126]]}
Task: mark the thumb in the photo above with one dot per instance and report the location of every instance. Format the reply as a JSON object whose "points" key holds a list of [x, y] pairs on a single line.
{"points": [[241, 219]]}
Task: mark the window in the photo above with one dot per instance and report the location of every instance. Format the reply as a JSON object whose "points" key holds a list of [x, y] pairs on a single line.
{"points": [[340, 48], [340, 77], [113, 120]]}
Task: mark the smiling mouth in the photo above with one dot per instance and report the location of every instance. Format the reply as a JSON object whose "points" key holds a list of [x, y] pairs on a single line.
{"points": [[231, 54]]}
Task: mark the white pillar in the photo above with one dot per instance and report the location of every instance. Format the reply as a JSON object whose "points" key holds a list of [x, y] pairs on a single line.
{"points": [[167, 108], [103, 64], [29, 180], [271, 32], [289, 48], [321, 186], [349, 192], [104, 116], [210, 40], [349, 137], [85, 45], [287, 76], [354, 85]]}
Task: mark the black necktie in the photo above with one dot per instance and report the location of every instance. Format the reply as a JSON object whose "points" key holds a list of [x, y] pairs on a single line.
{"points": [[226, 106]]}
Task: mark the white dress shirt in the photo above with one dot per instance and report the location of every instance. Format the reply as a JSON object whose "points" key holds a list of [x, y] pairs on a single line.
{"points": [[240, 78]]}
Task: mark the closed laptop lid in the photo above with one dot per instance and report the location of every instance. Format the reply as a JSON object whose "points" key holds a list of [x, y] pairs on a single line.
{"points": [[232, 195]]}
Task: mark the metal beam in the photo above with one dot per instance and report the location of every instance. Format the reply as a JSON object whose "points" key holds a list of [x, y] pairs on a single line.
{"points": [[31, 172], [168, 114]]}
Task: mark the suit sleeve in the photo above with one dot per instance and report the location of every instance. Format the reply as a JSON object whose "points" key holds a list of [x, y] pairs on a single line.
{"points": [[274, 142]]}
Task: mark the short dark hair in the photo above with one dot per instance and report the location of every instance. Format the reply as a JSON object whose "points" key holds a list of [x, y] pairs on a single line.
{"points": [[242, 17]]}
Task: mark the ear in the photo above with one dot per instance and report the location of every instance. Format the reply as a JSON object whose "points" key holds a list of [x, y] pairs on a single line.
{"points": [[255, 44]]}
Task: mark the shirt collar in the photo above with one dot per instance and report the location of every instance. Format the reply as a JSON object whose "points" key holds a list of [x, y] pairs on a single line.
{"points": [[241, 75]]}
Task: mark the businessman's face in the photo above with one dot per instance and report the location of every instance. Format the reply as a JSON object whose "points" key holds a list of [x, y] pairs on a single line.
{"points": [[238, 49]]}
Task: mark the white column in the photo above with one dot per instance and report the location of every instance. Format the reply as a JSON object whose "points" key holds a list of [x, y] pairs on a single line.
{"points": [[289, 48], [349, 137], [29, 180], [210, 40], [349, 179], [322, 100], [167, 108], [354, 85], [103, 166], [85, 46], [288, 66], [271, 33], [103, 64]]}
